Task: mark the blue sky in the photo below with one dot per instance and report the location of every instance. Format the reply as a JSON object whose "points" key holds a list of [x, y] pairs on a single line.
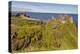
{"points": [[44, 7]]}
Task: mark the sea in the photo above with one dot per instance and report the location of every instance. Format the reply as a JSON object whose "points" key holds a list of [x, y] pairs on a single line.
{"points": [[45, 16]]}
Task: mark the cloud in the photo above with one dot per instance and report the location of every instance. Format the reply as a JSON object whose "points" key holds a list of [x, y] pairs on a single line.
{"points": [[44, 8]]}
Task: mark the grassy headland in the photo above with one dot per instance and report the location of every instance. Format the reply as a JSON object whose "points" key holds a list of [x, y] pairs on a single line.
{"points": [[28, 34]]}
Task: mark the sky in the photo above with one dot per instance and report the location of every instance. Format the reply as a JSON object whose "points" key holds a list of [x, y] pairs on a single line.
{"points": [[43, 7]]}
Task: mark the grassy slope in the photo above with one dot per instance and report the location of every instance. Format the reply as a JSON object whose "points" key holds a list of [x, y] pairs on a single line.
{"points": [[63, 37]]}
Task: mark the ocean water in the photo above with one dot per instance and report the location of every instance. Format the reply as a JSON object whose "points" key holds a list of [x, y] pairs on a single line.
{"points": [[45, 16]]}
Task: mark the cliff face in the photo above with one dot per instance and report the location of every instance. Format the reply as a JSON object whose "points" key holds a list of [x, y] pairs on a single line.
{"points": [[54, 34], [65, 18]]}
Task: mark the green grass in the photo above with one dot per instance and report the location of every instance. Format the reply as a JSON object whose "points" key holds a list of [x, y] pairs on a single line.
{"points": [[62, 37]]}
